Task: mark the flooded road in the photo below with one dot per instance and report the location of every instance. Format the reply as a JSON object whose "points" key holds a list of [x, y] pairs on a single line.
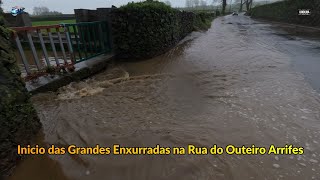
{"points": [[238, 83]]}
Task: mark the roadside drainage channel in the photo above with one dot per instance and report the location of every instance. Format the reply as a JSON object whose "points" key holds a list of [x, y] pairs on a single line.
{"points": [[83, 70]]}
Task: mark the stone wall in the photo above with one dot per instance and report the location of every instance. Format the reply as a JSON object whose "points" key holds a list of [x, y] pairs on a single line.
{"points": [[17, 21], [18, 119]]}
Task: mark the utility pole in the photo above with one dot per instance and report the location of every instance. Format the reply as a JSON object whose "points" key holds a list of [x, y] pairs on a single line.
{"points": [[230, 5]]}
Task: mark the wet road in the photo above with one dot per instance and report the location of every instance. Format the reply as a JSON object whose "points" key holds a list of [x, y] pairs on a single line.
{"points": [[239, 83]]}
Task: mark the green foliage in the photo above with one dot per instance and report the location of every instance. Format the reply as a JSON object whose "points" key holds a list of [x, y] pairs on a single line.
{"points": [[218, 13], [146, 29], [1, 20], [147, 6], [203, 21], [287, 11]]}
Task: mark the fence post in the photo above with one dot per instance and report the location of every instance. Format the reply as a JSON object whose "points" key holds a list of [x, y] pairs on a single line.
{"points": [[34, 52], [23, 56], [43, 46], [53, 47], [61, 46], [69, 42]]}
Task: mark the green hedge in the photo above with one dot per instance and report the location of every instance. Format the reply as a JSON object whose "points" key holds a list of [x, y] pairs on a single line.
{"points": [[147, 29], [202, 20], [287, 11], [53, 17]]}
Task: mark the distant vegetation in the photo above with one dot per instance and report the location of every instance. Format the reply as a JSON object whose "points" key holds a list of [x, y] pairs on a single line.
{"points": [[44, 11], [222, 5], [43, 16]]}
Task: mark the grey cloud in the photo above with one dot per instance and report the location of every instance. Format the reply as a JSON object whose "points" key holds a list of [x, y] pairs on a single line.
{"points": [[67, 6]]}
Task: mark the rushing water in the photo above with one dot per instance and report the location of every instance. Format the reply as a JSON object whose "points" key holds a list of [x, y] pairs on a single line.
{"points": [[234, 84]]}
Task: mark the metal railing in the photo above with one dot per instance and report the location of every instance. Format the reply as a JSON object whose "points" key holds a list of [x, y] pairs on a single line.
{"points": [[89, 39], [44, 49]]}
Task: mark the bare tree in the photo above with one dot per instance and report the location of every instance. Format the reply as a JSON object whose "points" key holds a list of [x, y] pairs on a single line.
{"points": [[241, 3], [42, 10], [251, 4], [224, 5], [248, 4]]}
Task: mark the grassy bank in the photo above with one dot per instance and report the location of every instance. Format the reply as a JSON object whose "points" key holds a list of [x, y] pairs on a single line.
{"points": [[43, 23]]}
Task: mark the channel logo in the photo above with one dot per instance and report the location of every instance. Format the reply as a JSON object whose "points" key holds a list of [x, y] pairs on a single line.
{"points": [[17, 10], [304, 12]]}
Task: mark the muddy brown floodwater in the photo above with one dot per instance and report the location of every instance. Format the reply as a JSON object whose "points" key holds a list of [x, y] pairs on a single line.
{"points": [[234, 84]]}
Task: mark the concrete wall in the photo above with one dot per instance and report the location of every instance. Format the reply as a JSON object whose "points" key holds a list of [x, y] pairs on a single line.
{"points": [[17, 21], [18, 119], [87, 15]]}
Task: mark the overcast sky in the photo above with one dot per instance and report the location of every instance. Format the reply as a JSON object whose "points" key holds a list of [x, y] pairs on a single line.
{"points": [[67, 6]]}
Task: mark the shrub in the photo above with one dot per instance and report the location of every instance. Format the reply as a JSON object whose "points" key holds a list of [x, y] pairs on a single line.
{"points": [[146, 29]]}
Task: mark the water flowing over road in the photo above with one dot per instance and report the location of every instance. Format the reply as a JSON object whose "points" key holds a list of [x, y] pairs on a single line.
{"points": [[238, 83]]}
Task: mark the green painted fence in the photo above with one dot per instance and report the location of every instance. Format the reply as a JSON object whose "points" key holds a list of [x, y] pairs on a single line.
{"points": [[89, 39]]}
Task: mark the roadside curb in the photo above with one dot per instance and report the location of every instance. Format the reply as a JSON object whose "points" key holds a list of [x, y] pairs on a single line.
{"points": [[83, 70]]}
